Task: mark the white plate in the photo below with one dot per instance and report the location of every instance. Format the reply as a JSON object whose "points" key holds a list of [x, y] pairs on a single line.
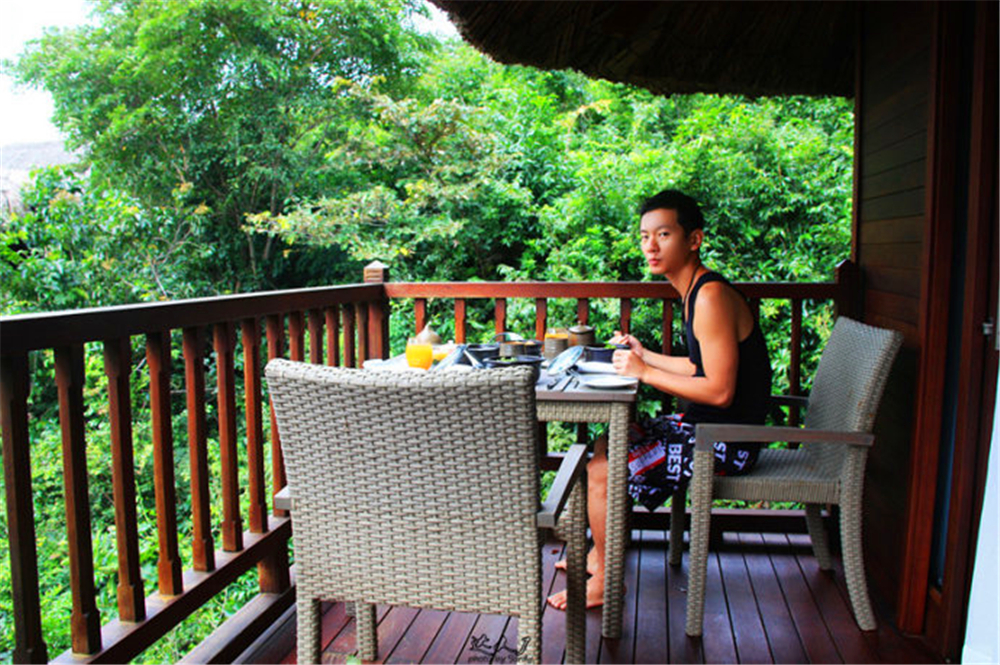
{"points": [[593, 367], [605, 382]]}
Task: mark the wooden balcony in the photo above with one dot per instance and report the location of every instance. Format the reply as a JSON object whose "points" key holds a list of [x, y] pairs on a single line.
{"points": [[195, 339], [767, 602]]}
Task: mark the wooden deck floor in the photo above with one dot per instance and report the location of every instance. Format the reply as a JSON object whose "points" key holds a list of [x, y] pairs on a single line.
{"points": [[767, 602]]}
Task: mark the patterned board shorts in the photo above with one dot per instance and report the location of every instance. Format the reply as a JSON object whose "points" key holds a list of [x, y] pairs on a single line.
{"points": [[661, 458]]}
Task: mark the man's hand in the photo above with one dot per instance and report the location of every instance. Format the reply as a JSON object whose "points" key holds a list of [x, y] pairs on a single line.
{"points": [[628, 362], [633, 343]]}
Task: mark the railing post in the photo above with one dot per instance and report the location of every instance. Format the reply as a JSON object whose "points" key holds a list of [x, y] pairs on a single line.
{"points": [[202, 543], [350, 335], [256, 490], [168, 564], [377, 272], [117, 366], [29, 643], [541, 317], [795, 360], [232, 522], [849, 300], [275, 349], [85, 619]]}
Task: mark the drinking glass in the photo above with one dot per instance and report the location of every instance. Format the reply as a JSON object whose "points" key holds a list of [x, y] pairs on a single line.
{"points": [[419, 355]]}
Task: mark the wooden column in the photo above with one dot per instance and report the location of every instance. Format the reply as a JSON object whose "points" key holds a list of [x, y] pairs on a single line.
{"points": [[315, 325], [117, 366], [332, 315], [168, 564], [253, 408], [29, 642], [296, 337], [378, 319], [460, 322], [667, 327], [202, 543], [500, 314], [232, 523], [419, 314], [626, 315], [85, 620], [275, 349], [350, 334], [361, 333], [582, 311], [541, 317], [795, 362]]}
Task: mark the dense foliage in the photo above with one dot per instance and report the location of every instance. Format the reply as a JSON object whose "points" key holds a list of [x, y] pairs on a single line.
{"points": [[263, 143]]}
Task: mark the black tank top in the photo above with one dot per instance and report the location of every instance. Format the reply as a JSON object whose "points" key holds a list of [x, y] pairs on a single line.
{"points": [[753, 377]]}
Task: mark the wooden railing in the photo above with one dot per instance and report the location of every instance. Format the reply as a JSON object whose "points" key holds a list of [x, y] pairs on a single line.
{"points": [[840, 292], [350, 317], [343, 325]]}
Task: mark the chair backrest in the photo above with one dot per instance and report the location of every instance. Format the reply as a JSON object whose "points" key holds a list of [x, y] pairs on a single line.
{"points": [[416, 489], [849, 383]]}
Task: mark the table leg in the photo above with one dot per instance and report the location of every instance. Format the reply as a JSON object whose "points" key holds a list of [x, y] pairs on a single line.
{"points": [[614, 572]]}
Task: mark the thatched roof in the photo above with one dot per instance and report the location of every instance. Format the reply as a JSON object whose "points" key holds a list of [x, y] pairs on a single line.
{"points": [[751, 48]]}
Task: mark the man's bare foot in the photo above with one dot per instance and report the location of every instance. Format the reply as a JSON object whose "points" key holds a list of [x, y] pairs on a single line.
{"points": [[591, 562], [595, 594]]}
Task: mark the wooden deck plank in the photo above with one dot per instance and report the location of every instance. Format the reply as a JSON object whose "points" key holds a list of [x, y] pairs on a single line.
{"points": [[346, 640], [809, 623], [683, 649], [782, 637], [651, 613], [392, 629], [418, 637], [836, 612], [747, 624], [483, 639], [553, 621], [717, 632], [767, 583], [451, 639], [622, 649]]}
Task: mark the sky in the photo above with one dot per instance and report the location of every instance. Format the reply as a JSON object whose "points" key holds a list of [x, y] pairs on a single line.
{"points": [[25, 113]]}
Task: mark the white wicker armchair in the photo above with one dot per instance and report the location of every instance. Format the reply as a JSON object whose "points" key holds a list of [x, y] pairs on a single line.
{"points": [[827, 469], [422, 489]]}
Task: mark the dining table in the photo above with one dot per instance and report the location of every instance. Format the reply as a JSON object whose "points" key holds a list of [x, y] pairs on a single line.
{"points": [[568, 398], [561, 400]]}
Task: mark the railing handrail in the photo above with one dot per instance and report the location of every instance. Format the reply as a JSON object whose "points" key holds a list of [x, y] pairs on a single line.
{"points": [[778, 290], [29, 332]]}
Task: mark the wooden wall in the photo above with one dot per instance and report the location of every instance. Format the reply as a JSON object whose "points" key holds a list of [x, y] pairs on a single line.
{"points": [[894, 92]]}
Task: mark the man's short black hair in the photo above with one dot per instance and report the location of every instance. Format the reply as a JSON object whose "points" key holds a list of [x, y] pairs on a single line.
{"points": [[688, 212]]}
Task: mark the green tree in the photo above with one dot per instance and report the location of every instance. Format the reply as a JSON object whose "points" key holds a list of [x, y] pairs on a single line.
{"points": [[227, 101], [77, 245]]}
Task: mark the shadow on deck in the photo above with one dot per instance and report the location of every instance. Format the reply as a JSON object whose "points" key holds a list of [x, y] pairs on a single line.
{"points": [[766, 602]]}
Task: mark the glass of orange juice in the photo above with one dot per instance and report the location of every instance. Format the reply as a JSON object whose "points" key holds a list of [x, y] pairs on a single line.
{"points": [[419, 355]]}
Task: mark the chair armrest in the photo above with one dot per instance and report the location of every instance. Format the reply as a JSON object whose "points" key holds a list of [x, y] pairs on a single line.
{"points": [[283, 499], [800, 401], [574, 464], [708, 433]]}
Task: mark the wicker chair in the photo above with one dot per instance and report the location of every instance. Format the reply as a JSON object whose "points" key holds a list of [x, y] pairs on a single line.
{"points": [[827, 469], [422, 490]]}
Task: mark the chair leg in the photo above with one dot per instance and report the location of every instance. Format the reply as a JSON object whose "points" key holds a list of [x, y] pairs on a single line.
{"points": [[576, 576], [677, 527], [701, 515], [817, 534], [854, 563], [309, 641], [366, 636]]}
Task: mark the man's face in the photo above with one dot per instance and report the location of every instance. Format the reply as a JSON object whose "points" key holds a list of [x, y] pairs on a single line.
{"points": [[664, 244]]}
